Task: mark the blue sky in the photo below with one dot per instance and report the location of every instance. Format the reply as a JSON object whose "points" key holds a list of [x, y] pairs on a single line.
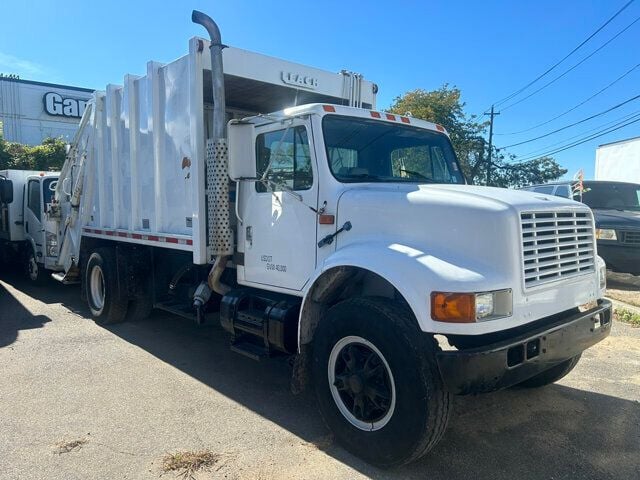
{"points": [[488, 49]]}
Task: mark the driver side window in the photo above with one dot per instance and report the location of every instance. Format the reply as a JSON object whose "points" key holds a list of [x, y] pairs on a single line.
{"points": [[286, 155], [33, 200]]}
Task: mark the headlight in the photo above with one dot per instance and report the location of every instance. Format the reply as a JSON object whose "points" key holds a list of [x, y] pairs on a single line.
{"points": [[602, 273], [471, 307], [606, 234], [51, 245], [484, 305]]}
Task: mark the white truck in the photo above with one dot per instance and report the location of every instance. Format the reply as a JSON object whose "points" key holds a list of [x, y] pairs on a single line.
{"points": [[25, 199], [619, 161], [327, 230]]}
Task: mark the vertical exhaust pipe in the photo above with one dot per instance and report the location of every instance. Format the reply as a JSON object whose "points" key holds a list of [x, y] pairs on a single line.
{"points": [[222, 245], [217, 73]]}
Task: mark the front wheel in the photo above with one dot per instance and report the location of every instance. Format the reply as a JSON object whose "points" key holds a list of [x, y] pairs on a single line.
{"points": [[377, 382], [35, 271]]}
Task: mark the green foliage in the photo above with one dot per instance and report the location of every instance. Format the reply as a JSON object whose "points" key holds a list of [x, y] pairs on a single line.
{"points": [[507, 172], [49, 155], [445, 107], [627, 316]]}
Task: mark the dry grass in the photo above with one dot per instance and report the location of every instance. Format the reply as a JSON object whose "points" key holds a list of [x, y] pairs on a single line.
{"points": [[65, 446], [627, 316], [632, 297], [186, 464]]}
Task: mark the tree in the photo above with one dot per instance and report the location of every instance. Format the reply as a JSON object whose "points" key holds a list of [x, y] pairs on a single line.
{"points": [[445, 107], [49, 155], [510, 173]]}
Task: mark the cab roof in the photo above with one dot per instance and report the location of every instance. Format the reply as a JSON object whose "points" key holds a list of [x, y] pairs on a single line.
{"points": [[328, 109]]}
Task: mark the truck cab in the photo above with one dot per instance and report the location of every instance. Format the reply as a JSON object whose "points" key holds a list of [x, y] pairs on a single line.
{"points": [[27, 199], [318, 158]]}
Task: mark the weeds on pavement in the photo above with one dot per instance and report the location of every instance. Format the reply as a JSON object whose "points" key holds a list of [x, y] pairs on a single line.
{"points": [[185, 464]]}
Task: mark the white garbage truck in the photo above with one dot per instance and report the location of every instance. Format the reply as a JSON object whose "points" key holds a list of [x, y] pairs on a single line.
{"points": [[25, 199], [276, 198]]}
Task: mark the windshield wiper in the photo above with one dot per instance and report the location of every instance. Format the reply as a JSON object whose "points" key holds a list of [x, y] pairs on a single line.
{"points": [[417, 174]]}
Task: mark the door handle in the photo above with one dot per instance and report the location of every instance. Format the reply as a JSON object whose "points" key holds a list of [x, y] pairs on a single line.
{"points": [[26, 227]]}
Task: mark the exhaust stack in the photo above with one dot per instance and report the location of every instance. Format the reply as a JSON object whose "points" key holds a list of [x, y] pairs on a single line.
{"points": [[217, 73], [220, 235]]}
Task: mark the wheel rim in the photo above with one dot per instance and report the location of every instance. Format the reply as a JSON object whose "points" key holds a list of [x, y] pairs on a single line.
{"points": [[96, 287], [32, 267], [361, 383]]}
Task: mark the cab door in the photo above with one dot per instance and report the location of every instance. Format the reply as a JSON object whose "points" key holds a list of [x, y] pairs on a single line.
{"points": [[279, 219], [33, 226]]}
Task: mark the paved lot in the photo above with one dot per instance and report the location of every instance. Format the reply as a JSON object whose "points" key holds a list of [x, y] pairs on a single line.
{"points": [[136, 391]]}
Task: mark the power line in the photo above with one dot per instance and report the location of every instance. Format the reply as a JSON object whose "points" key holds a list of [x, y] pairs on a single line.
{"points": [[584, 140], [602, 125], [517, 92], [575, 66], [574, 124], [575, 107]]}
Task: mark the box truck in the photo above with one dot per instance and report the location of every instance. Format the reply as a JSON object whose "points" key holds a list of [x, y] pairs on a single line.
{"points": [[619, 161], [277, 198], [25, 199]]}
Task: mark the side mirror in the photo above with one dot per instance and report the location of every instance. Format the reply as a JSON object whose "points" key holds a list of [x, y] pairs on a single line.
{"points": [[6, 191], [242, 151]]}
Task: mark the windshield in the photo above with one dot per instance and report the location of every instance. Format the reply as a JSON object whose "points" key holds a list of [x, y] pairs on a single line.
{"points": [[362, 150], [615, 196]]}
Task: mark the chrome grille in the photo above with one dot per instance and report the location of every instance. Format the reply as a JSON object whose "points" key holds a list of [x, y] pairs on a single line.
{"points": [[556, 245], [631, 237]]}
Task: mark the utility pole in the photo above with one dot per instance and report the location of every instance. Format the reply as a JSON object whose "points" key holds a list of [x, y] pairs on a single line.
{"points": [[491, 115]]}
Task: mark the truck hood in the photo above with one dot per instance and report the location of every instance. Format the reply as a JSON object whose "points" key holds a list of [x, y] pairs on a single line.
{"points": [[470, 225], [626, 219]]}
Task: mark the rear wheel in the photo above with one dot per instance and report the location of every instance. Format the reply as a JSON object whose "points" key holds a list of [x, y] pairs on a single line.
{"points": [[106, 303], [377, 382], [141, 304], [552, 375]]}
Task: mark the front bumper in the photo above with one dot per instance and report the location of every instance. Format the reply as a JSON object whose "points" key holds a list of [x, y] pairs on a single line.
{"points": [[509, 362], [619, 257]]}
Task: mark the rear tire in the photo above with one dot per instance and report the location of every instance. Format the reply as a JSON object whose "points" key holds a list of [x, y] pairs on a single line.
{"points": [[103, 295], [141, 305], [552, 375], [377, 382]]}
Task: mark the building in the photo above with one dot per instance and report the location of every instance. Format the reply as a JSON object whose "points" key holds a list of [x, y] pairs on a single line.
{"points": [[619, 161], [32, 111]]}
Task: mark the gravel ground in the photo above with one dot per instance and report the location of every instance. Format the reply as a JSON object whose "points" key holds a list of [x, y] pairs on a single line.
{"points": [[624, 288], [128, 394]]}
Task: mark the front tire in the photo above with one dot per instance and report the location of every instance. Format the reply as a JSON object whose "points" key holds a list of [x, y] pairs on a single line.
{"points": [[552, 375], [34, 271], [106, 304], [377, 382]]}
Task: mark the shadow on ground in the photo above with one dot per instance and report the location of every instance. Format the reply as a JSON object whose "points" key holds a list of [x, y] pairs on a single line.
{"points": [[555, 432], [623, 281], [13, 315]]}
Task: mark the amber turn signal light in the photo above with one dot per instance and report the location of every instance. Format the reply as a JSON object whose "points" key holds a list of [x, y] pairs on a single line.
{"points": [[324, 219], [453, 307]]}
